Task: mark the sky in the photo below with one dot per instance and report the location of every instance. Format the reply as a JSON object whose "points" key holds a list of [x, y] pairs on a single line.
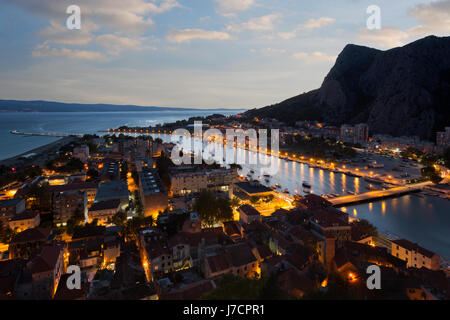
{"points": [[196, 53]]}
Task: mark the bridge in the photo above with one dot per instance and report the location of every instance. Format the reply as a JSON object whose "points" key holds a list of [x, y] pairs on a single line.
{"points": [[377, 195]]}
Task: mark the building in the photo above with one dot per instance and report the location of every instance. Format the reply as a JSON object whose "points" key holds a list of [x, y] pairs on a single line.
{"points": [[355, 134], [155, 254], [248, 214], [103, 211], [154, 197], [190, 181], [144, 163], [47, 269], [81, 153], [115, 189], [110, 171], [10, 208], [29, 242], [329, 223], [25, 220], [238, 260], [68, 203], [414, 255], [443, 138], [89, 187], [254, 188]]}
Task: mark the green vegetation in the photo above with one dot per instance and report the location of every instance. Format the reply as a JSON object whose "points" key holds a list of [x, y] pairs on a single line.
{"points": [[6, 233], [430, 173], [365, 227], [236, 288], [9, 175], [212, 209], [321, 148], [65, 164], [446, 157], [74, 222], [163, 164]]}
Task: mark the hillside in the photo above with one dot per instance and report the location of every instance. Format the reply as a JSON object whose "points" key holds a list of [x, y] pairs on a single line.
{"points": [[402, 91]]}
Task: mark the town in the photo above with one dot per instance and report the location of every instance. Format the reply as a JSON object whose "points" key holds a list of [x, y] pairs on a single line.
{"points": [[140, 227]]}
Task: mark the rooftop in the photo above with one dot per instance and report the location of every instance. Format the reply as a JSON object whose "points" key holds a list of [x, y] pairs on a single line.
{"points": [[105, 205], [253, 188]]}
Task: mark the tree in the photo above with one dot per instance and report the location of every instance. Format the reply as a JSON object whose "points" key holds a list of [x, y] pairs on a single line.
{"points": [[119, 219], [431, 174], [254, 200], [365, 227], [74, 221], [446, 157], [232, 287], [212, 209], [92, 174]]}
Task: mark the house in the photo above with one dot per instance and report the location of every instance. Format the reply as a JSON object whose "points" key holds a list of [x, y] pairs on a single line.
{"points": [[25, 220], [237, 259], [248, 214], [414, 255], [47, 269], [233, 230], [28, 242], [330, 223], [104, 210], [10, 208]]}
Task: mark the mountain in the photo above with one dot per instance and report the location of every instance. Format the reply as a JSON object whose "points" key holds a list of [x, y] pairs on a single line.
{"points": [[49, 106], [402, 91]]}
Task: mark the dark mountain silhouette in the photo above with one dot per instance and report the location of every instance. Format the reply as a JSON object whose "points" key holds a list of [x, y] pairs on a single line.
{"points": [[402, 91]]}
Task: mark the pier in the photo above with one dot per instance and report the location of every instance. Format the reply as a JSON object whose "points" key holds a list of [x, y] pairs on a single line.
{"points": [[44, 134], [378, 195]]}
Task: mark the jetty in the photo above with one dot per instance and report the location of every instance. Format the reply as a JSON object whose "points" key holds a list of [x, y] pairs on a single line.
{"points": [[44, 134]]}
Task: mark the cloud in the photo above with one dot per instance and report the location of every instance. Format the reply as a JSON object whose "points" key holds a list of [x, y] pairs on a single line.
{"points": [[385, 37], [115, 44], [187, 35], [228, 8], [433, 19], [264, 23], [269, 51], [314, 56], [311, 24], [45, 50], [127, 16]]}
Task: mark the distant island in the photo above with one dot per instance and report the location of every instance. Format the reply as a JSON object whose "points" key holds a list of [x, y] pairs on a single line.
{"points": [[51, 106]]}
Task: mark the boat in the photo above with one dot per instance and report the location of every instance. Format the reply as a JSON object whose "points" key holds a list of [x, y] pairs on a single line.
{"points": [[351, 192], [267, 176], [267, 180], [277, 186], [285, 191], [306, 184], [307, 190], [371, 187], [252, 171]]}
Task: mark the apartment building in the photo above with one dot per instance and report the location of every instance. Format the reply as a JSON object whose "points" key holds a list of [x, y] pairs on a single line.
{"points": [[414, 255]]}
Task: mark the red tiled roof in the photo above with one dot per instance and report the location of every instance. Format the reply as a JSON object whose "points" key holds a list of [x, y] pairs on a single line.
{"points": [[46, 260], [25, 216], [34, 234], [249, 210]]}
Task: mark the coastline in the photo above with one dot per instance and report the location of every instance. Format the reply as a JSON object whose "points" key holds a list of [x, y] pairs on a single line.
{"points": [[41, 152]]}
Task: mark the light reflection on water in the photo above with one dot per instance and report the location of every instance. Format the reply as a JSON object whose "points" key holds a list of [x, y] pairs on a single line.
{"points": [[421, 219]]}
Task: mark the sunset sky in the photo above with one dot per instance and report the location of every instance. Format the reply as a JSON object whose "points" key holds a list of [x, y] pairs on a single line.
{"points": [[197, 53]]}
